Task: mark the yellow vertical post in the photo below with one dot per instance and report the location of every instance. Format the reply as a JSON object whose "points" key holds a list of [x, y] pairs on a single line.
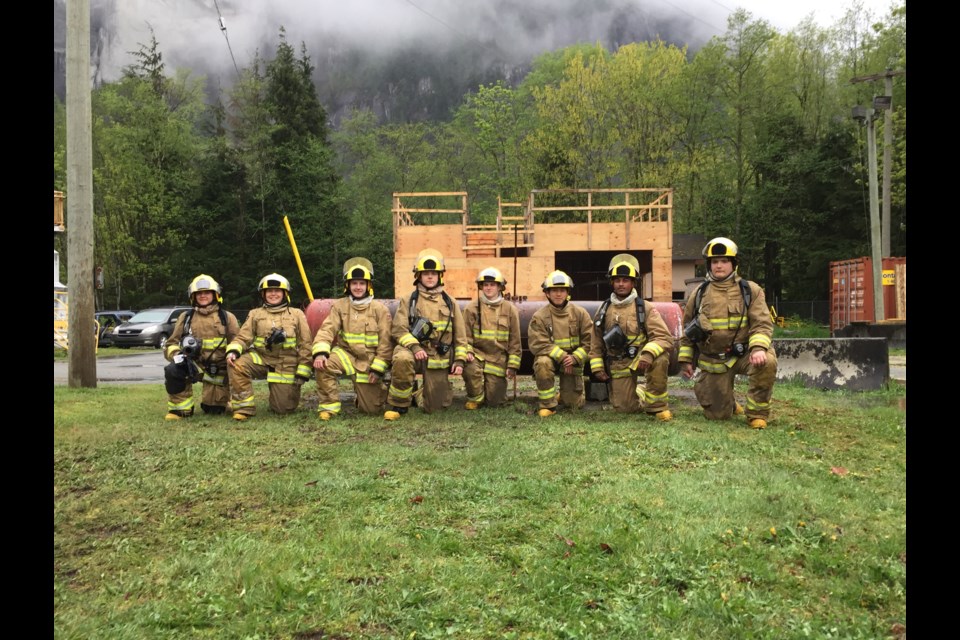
{"points": [[296, 255]]}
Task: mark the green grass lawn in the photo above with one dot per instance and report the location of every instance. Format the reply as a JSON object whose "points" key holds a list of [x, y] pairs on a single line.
{"points": [[484, 524]]}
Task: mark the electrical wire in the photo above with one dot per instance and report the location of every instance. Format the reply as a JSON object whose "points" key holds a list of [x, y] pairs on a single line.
{"points": [[223, 29]]}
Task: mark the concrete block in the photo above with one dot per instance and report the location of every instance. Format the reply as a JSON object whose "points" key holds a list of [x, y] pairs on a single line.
{"points": [[857, 364]]}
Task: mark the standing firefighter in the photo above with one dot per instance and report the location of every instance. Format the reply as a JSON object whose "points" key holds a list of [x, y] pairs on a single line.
{"points": [[631, 339], [431, 340], [273, 343], [197, 349], [493, 333], [559, 337], [354, 341], [727, 321]]}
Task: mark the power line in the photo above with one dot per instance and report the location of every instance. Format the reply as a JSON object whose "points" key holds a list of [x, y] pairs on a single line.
{"points": [[223, 29]]}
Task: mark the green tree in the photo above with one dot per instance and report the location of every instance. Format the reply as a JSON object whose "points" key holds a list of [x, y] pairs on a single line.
{"points": [[145, 144]]}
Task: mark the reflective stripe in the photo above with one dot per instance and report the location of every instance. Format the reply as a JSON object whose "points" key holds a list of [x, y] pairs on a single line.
{"points": [[379, 365], [513, 361], [494, 370], [596, 364], [320, 347], [652, 348], [240, 404], [653, 398], [716, 367], [460, 353], [567, 343], [363, 378], [348, 368], [685, 354], [218, 380], [186, 405], [620, 373], [332, 407], [280, 378], [478, 399], [491, 334], [757, 406], [400, 394], [580, 354], [557, 353], [235, 346], [733, 322], [211, 344], [407, 340], [256, 357], [304, 371], [759, 340], [546, 394], [438, 362]]}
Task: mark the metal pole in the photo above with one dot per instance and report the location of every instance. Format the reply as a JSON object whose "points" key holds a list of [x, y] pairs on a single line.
{"points": [[875, 234]]}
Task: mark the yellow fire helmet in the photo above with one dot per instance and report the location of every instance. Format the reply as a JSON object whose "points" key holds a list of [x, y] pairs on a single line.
{"points": [[274, 281], [491, 274], [358, 269], [557, 279], [624, 265], [429, 260], [204, 282], [720, 248]]}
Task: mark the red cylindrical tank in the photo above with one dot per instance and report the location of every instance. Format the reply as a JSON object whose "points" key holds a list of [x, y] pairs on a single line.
{"points": [[671, 312]]}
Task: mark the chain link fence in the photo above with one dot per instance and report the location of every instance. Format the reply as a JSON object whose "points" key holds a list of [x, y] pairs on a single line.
{"points": [[816, 310]]}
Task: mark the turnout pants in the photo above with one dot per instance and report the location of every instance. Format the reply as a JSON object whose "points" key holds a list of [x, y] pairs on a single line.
{"points": [[437, 392], [284, 394], [571, 384], [714, 391], [483, 386], [370, 397], [651, 396]]}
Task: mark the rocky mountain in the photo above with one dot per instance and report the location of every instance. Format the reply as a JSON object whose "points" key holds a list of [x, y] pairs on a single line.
{"points": [[412, 61]]}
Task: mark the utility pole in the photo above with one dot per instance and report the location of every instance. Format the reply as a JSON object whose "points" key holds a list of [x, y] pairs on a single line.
{"points": [[887, 105], [81, 337]]}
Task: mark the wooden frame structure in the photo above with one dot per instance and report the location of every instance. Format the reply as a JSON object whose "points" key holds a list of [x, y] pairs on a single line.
{"points": [[575, 230]]}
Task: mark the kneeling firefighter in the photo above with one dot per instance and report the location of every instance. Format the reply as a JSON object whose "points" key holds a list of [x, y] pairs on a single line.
{"points": [[197, 352]]}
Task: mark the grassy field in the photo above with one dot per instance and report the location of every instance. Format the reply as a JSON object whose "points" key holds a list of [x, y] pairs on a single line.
{"points": [[486, 524]]}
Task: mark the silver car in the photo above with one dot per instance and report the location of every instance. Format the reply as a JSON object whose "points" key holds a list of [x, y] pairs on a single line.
{"points": [[148, 328]]}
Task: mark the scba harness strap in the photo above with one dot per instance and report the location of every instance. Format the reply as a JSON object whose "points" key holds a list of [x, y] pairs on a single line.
{"points": [[601, 318], [412, 309]]}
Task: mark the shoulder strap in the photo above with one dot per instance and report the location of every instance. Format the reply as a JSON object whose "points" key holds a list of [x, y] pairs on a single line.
{"points": [[187, 317], [223, 318], [746, 293], [601, 316], [641, 314], [449, 302], [700, 291], [411, 311]]}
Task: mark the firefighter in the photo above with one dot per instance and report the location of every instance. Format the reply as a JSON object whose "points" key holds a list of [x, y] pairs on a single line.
{"points": [[431, 340], [559, 337], [273, 343], [728, 331], [354, 341], [493, 338], [197, 350], [631, 339]]}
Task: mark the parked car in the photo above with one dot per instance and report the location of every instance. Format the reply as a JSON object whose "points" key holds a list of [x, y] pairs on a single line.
{"points": [[148, 328], [108, 320]]}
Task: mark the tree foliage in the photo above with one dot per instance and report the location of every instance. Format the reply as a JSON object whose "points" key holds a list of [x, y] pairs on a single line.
{"points": [[752, 131]]}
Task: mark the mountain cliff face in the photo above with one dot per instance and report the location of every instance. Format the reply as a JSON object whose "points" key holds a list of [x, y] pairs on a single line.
{"points": [[407, 66]]}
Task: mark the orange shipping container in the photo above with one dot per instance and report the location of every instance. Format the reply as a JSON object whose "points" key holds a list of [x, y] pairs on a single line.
{"points": [[851, 291]]}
